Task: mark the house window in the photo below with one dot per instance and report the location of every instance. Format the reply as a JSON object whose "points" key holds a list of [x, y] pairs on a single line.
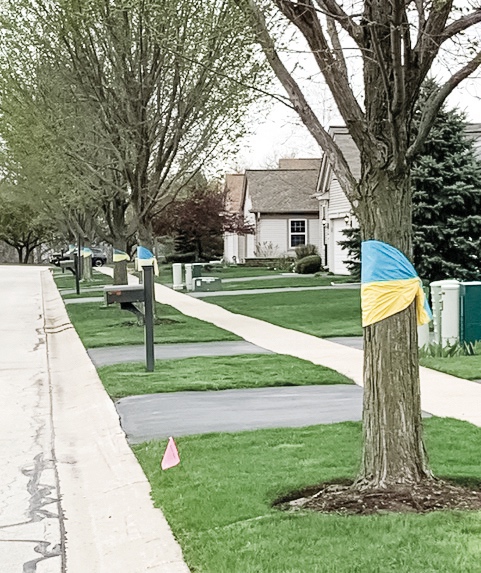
{"points": [[297, 232]]}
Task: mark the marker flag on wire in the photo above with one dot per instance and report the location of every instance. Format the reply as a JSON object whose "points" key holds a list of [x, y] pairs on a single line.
{"points": [[171, 456], [389, 284], [120, 256], [145, 258]]}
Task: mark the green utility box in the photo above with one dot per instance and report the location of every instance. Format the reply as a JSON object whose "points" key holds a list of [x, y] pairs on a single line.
{"points": [[470, 311], [205, 284], [196, 270]]}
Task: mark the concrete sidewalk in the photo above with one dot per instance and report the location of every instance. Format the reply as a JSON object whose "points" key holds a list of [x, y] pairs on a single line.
{"points": [[441, 394], [73, 498]]}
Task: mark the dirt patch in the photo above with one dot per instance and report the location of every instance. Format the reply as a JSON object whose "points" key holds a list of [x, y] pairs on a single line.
{"points": [[342, 497]]}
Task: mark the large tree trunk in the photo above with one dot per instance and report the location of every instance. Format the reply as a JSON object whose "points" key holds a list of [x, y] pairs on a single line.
{"points": [[120, 268], [393, 452], [87, 269]]}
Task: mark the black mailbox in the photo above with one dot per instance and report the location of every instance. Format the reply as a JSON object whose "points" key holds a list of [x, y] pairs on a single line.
{"points": [[70, 266], [124, 293]]}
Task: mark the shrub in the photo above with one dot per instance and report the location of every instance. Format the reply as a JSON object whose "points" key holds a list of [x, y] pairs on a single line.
{"points": [[266, 250], [180, 258], [311, 264], [303, 251], [284, 263]]}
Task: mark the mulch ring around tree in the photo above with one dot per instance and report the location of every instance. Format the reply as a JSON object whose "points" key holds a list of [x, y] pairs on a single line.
{"points": [[342, 498]]}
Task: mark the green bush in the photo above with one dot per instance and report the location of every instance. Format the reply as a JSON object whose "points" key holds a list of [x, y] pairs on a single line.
{"points": [[303, 251], [284, 263], [310, 264], [180, 258]]}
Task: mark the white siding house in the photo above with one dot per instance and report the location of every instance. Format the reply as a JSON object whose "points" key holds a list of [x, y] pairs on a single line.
{"points": [[281, 206], [334, 208]]}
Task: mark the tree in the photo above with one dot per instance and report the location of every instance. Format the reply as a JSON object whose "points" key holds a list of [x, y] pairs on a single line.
{"points": [[396, 43], [198, 220], [23, 227], [446, 181], [164, 83], [446, 185]]}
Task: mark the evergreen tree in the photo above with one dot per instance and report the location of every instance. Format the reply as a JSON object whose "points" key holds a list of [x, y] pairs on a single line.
{"points": [[446, 183]]}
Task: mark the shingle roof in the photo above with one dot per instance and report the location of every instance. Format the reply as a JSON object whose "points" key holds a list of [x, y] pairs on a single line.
{"points": [[346, 144], [282, 190]]}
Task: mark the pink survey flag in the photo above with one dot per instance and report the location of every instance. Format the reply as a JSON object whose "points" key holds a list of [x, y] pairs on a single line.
{"points": [[171, 456]]}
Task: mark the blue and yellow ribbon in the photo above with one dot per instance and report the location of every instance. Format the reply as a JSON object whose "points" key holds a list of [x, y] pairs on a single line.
{"points": [[146, 258], [389, 284], [119, 255]]}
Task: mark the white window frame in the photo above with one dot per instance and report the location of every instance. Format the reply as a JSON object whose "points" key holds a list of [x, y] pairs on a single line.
{"points": [[291, 234]]}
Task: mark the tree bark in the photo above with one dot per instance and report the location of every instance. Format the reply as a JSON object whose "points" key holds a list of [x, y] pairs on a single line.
{"points": [[120, 268], [393, 450]]}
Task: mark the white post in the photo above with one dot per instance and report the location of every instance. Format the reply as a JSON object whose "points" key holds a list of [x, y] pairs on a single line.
{"points": [[177, 276], [189, 285]]}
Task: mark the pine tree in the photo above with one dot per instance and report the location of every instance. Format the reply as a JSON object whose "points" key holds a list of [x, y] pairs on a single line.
{"points": [[446, 182]]}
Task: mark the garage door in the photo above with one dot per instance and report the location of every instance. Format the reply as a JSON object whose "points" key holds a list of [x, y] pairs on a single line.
{"points": [[338, 254]]}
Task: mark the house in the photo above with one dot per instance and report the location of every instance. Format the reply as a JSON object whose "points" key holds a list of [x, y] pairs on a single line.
{"points": [[334, 208], [279, 204]]}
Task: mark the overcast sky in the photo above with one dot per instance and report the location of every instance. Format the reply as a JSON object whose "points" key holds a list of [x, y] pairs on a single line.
{"points": [[282, 135]]}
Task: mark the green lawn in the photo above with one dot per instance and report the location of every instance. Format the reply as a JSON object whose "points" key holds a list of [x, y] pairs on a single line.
{"points": [[215, 373], [322, 313], [283, 281], [84, 294], [165, 272], [110, 326], [468, 367], [218, 504], [67, 280]]}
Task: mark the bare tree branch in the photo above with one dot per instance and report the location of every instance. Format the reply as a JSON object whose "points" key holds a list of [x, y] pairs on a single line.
{"points": [[460, 25], [299, 102], [333, 10], [437, 99]]}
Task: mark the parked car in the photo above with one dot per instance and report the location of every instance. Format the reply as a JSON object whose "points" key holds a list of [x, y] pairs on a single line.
{"points": [[99, 257]]}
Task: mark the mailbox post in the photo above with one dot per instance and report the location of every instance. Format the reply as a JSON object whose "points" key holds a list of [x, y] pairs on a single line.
{"points": [[77, 272], [126, 296], [149, 316], [72, 266]]}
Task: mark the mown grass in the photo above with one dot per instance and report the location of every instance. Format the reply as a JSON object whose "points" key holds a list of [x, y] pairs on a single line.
{"points": [[67, 280], [110, 326], [322, 313], [468, 367], [84, 294], [215, 373], [283, 282], [165, 272], [218, 503]]}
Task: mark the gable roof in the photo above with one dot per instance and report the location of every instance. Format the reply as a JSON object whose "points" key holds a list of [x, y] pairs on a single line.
{"points": [[346, 144], [282, 190], [341, 136]]}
